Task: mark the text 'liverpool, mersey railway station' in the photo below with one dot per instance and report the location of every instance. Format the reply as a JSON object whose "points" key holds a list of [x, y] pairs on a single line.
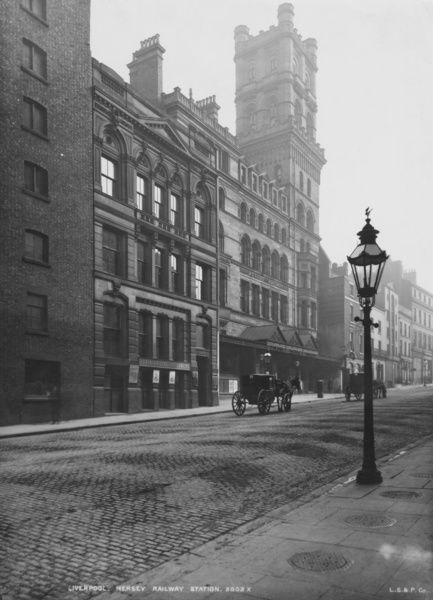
{"points": [[153, 257]]}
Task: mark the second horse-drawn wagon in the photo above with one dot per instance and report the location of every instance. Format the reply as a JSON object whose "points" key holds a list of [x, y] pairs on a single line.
{"points": [[355, 387], [262, 391]]}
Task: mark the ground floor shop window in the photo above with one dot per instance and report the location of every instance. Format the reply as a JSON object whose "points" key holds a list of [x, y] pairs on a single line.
{"points": [[41, 377]]}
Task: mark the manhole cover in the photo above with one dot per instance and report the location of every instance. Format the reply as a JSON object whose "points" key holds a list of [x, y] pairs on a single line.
{"points": [[400, 494], [319, 561], [370, 521], [427, 475]]}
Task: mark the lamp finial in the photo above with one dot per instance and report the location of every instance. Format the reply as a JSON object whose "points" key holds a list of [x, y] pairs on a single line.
{"points": [[367, 213]]}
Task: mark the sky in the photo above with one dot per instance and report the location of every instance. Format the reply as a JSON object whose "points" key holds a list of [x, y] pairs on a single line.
{"points": [[374, 95]]}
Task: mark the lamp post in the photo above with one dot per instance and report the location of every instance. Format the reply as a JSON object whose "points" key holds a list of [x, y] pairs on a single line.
{"points": [[367, 262]]}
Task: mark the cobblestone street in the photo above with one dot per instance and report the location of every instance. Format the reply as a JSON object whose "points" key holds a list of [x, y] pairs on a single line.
{"points": [[96, 506]]}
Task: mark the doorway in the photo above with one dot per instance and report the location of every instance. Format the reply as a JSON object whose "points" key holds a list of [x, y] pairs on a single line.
{"points": [[115, 389], [204, 381]]}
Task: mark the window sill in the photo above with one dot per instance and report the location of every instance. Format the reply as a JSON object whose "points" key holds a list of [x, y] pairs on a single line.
{"points": [[35, 75], [35, 261], [37, 17], [36, 195], [37, 332], [36, 133]]}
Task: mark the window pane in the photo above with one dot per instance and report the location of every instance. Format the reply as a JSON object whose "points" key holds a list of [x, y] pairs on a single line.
{"points": [[36, 312]]}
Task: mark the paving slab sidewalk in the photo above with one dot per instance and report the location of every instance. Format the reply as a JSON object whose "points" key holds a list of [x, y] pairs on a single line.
{"points": [[343, 542]]}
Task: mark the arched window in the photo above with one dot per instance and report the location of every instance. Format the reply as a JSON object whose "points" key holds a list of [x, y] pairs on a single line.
{"points": [[251, 116], [298, 113], [252, 217], [301, 181], [221, 199], [284, 269], [261, 223], [300, 214], [266, 261], [221, 237], [272, 110], [176, 202], [257, 256], [159, 205], [142, 188], [243, 212], [310, 125], [310, 221], [200, 213], [246, 251], [283, 236], [112, 176], [276, 232], [269, 228], [275, 265]]}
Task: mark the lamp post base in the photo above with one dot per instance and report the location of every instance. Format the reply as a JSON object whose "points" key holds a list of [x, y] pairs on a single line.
{"points": [[369, 477]]}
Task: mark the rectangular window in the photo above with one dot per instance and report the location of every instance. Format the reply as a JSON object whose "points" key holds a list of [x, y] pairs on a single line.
{"points": [[37, 312], [158, 202], [256, 300], [175, 274], [41, 376], [36, 246], [113, 253], [199, 282], [265, 190], [274, 197], [245, 296], [198, 222], [274, 306], [254, 182], [161, 335], [145, 341], [113, 345], [202, 336], [143, 268], [284, 313], [265, 303], [108, 176], [34, 59], [158, 256], [178, 339], [37, 7], [174, 211], [224, 161], [223, 287], [35, 117], [141, 193], [35, 179], [243, 175]]}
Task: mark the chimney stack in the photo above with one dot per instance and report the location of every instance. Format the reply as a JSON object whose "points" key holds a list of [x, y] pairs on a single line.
{"points": [[145, 70]]}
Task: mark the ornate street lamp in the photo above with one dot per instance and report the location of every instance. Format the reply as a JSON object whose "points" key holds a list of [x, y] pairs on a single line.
{"points": [[367, 262]]}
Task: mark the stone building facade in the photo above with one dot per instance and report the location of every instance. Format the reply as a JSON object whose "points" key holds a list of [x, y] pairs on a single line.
{"points": [[46, 231]]}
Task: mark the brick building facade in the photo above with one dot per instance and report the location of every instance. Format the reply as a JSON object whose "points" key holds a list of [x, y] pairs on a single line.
{"points": [[46, 232]]}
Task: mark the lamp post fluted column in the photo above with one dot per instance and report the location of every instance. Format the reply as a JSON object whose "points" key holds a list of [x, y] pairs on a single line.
{"points": [[367, 262], [368, 472]]}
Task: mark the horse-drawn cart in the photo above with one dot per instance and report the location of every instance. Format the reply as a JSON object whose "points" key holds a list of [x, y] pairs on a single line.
{"points": [[355, 386], [262, 391]]}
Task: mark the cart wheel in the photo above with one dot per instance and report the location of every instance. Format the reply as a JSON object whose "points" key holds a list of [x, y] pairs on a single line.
{"points": [[287, 401], [239, 404], [264, 401]]}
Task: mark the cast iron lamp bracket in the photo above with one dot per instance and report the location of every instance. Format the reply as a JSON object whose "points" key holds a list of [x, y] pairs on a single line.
{"points": [[359, 320]]}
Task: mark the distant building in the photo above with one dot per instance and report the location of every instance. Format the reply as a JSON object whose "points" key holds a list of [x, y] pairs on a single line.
{"points": [[46, 223], [402, 342]]}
